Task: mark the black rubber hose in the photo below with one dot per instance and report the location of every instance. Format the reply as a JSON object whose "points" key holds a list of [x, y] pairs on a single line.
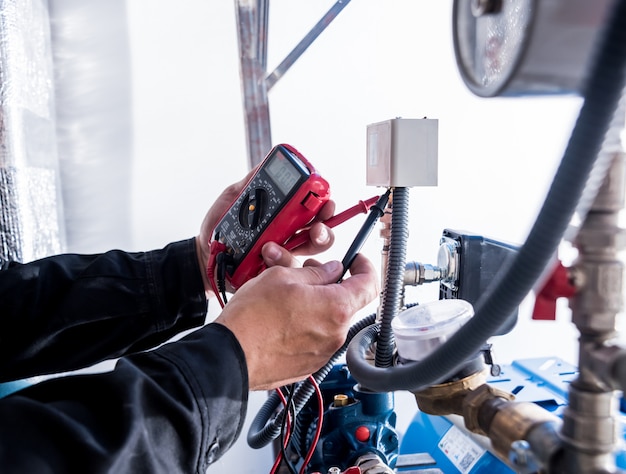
{"points": [[261, 433], [394, 275], [603, 90], [263, 430]]}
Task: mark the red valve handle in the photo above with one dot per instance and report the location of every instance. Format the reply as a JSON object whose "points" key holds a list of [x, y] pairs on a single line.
{"points": [[557, 286]]}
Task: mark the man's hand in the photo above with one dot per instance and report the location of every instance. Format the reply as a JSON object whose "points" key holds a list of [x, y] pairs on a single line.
{"points": [[290, 321], [321, 237]]}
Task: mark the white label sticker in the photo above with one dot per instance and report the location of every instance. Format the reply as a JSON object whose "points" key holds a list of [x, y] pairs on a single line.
{"points": [[460, 449]]}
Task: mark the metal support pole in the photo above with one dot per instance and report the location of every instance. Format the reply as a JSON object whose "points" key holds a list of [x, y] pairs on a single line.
{"points": [[252, 30], [252, 23], [302, 46]]}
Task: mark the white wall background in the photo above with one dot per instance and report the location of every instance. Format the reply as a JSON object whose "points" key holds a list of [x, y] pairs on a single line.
{"points": [[378, 60]]}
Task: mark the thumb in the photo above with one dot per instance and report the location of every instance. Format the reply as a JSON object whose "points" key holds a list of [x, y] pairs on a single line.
{"points": [[325, 273]]}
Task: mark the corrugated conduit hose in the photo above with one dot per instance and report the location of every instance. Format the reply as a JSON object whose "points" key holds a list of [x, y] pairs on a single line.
{"points": [[394, 276]]}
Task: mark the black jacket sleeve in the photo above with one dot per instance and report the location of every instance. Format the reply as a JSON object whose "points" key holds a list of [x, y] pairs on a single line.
{"points": [[175, 409], [70, 311]]}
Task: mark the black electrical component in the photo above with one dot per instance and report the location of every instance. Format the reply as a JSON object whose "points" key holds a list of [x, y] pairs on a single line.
{"points": [[473, 263]]}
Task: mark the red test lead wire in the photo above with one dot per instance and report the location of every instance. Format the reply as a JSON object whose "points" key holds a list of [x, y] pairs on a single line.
{"points": [[215, 248], [320, 422], [361, 208]]}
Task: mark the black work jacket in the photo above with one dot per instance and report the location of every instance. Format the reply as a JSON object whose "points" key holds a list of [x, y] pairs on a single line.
{"points": [[176, 408]]}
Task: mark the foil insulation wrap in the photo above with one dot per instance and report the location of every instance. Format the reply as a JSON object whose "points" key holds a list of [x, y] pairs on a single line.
{"points": [[31, 224]]}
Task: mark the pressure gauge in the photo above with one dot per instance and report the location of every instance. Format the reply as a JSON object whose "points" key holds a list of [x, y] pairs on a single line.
{"points": [[420, 330], [525, 47]]}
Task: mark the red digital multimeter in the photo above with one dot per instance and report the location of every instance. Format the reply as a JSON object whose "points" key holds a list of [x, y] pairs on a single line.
{"points": [[282, 197]]}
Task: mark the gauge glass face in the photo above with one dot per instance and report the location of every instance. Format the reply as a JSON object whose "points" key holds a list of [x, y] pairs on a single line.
{"points": [[489, 45]]}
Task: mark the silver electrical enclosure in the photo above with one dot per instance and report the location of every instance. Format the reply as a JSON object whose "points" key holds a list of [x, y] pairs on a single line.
{"points": [[402, 152]]}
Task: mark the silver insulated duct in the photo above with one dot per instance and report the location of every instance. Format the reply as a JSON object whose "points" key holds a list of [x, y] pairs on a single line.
{"points": [[31, 219]]}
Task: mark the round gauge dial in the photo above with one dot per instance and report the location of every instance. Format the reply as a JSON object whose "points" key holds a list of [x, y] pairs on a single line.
{"points": [[489, 40], [525, 47]]}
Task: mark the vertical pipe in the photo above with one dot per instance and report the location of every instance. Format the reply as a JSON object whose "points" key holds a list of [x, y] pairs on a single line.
{"points": [[252, 36], [590, 421], [252, 23]]}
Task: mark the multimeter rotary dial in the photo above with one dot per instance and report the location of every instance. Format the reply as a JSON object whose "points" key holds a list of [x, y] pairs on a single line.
{"points": [[251, 212], [253, 208]]}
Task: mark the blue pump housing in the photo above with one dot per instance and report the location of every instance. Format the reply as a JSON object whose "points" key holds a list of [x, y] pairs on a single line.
{"points": [[364, 424]]}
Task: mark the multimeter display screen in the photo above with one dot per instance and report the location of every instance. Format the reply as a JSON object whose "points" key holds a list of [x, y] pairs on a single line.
{"points": [[283, 172]]}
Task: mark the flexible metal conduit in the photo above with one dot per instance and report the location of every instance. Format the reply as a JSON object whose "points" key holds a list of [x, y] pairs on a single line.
{"points": [[602, 93], [394, 278]]}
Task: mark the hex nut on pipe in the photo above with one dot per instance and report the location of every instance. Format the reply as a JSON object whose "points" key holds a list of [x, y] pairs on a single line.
{"points": [[475, 400]]}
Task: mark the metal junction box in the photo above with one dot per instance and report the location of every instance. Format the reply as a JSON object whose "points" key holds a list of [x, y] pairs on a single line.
{"points": [[402, 152]]}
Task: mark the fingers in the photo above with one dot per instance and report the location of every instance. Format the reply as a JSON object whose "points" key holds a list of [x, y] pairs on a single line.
{"points": [[327, 211], [362, 265], [321, 237], [363, 273], [275, 255], [325, 273], [362, 286]]}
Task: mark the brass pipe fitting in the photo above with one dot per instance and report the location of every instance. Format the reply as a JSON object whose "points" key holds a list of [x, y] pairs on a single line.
{"points": [[477, 418], [448, 398], [506, 423], [491, 412]]}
